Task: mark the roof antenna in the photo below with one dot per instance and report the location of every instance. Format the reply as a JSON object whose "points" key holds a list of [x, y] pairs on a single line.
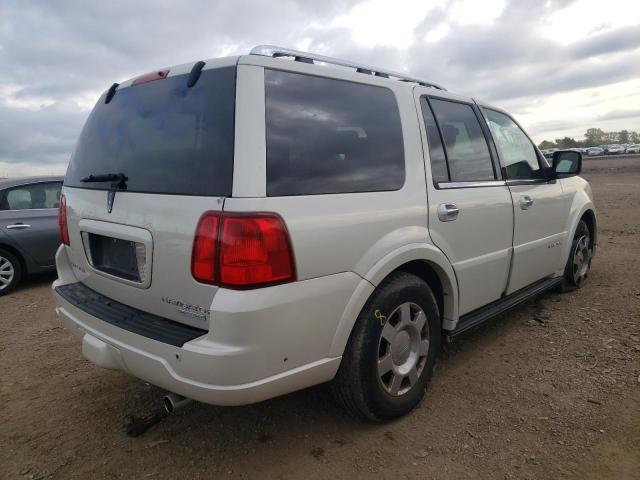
{"points": [[196, 70], [111, 92]]}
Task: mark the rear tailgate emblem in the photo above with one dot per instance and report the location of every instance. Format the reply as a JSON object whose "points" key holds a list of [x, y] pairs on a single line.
{"points": [[111, 196]]}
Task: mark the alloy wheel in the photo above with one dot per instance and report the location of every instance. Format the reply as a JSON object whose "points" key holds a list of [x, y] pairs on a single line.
{"points": [[403, 348], [581, 260], [6, 273]]}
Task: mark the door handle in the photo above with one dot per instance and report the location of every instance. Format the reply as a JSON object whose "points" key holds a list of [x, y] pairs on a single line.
{"points": [[448, 212], [525, 202], [18, 226]]}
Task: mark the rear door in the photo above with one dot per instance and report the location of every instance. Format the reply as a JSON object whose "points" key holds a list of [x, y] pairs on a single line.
{"points": [[470, 208], [29, 217], [540, 207], [148, 164]]}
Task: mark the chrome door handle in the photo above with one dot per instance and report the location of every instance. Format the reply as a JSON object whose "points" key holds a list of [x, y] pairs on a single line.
{"points": [[18, 225], [525, 202], [448, 212]]}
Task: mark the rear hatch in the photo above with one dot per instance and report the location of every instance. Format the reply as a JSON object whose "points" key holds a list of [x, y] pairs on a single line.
{"points": [[150, 160]]}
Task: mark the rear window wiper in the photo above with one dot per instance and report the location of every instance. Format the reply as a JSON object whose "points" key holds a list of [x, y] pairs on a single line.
{"points": [[118, 180]]}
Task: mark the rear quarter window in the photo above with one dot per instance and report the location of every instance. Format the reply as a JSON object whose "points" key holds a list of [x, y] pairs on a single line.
{"points": [[331, 136]]}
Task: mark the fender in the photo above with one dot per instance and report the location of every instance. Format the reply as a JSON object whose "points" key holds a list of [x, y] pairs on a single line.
{"points": [[9, 244], [581, 202], [380, 270]]}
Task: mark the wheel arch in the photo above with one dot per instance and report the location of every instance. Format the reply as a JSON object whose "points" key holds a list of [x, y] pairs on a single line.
{"points": [[587, 213], [18, 254], [424, 261]]}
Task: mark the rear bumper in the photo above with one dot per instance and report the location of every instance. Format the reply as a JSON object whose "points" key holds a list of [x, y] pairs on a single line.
{"points": [[259, 344], [180, 370]]}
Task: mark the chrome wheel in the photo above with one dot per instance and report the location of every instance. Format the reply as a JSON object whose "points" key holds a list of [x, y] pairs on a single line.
{"points": [[581, 260], [6, 273], [403, 348]]}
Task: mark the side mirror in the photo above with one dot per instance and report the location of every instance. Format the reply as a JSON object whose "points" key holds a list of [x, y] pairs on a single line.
{"points": [[566, 163]]}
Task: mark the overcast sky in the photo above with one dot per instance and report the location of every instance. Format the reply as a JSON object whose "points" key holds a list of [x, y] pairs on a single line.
{"points": [[558, 66]]}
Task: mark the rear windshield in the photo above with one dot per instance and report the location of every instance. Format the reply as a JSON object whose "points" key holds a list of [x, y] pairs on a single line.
{"points": [[164, 136]]}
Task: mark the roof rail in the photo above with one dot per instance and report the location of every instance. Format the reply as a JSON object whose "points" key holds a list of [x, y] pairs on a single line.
{"points": [[274, 51]]}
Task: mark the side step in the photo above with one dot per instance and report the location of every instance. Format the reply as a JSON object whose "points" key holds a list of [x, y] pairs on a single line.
{"points": [[472, 319]]}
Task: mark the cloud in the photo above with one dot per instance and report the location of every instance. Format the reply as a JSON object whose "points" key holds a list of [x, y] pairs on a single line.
{"points": [[620, 114], [614, 41], [57, 57]]}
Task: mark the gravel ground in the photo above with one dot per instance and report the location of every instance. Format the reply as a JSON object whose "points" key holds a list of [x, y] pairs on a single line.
{"points": [[549, 390]]}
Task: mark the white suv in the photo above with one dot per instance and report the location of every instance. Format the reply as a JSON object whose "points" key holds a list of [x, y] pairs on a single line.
{"points": [[244, 227]]}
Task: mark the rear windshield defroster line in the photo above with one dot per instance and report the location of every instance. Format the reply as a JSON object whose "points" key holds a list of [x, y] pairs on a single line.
{"points": [[164, 136]]}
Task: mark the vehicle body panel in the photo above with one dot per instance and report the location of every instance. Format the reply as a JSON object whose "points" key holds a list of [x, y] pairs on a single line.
{"points": [[478, 243], [539, 232], [255, 335], [38, 239], [170, 224], [581, 202], [33, 233]]}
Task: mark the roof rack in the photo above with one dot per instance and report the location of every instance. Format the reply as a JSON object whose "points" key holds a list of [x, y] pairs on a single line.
{"points": [[305, 57]]}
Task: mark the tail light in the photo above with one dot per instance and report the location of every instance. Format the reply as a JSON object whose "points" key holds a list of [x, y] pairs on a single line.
{"points": [[62, 221], [203, 258], [242, 250]]}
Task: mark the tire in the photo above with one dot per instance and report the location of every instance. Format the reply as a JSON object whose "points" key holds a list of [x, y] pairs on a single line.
{"points": [[578, 264], [389, 336], [10, 272]]}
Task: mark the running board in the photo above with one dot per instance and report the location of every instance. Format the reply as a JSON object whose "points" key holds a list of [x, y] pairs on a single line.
{"points": [[473, 319]]}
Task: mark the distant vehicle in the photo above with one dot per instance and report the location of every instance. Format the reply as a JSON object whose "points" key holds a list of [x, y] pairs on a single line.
{"points": [[28, 227], [633, 149], [593, 151], [615, 150]]}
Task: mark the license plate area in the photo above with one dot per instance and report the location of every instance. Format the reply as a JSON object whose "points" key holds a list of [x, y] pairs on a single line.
{"points": [[115, 256]]}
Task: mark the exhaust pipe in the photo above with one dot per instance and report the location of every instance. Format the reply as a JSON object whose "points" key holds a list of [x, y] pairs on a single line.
{"points": [[174, 402]]}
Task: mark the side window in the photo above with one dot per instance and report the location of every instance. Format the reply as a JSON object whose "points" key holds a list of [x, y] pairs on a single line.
{"points": [[465, 145], [35, 196], [330, 136], [516, 151], [439, 170]]}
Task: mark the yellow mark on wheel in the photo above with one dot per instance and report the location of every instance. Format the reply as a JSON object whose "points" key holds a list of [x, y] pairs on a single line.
{"points": [[381, 318]]}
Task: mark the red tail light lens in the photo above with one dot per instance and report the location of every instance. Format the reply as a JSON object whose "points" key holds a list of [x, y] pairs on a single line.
{"points": [[254, 250], [203, 258], [62, 221], [238, 250]]}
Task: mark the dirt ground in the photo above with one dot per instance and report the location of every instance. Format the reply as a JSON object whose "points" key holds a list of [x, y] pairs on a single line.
{"points": [[549, 390]]}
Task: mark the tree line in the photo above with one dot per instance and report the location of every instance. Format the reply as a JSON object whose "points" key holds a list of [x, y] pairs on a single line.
{"points": [[592, 138]]}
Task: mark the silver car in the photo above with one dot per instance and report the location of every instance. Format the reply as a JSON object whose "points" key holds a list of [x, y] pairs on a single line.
{"points": [[239, 228], [633, 149], [28, 227], [615, 150]]}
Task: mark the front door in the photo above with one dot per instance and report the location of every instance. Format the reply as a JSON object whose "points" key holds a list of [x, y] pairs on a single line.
{"points": [[539, 206], [470, 207]]}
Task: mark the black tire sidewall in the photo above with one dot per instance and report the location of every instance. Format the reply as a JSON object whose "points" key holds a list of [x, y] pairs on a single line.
{"points": [[17, 271], [407, 288]]}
